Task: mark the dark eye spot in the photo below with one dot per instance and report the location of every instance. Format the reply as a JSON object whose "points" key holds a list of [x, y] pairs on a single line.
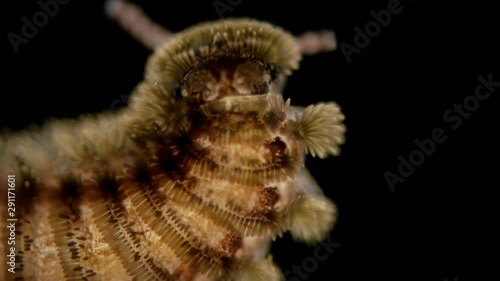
{"points": [[175, 89], [264, 89], [274, 73]]}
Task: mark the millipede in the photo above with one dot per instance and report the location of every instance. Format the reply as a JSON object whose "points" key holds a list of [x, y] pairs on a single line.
{"points": [[191, 181]]}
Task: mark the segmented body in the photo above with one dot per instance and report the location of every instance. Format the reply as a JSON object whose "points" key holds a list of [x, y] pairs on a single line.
{"points": [[189, 183]]}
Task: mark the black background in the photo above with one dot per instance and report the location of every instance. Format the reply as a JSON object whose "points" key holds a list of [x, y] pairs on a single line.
{"points": [[436, 225]]}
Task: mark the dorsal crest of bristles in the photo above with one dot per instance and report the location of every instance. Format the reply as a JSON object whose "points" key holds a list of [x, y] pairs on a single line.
{"points": [[239, 38]]}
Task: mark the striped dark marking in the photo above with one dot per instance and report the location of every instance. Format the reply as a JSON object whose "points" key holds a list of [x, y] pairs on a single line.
{"points": [[64, 237]]}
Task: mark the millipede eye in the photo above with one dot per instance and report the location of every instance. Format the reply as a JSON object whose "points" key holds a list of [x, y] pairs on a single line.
{"points": [[251, 78], [200, 83]]}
